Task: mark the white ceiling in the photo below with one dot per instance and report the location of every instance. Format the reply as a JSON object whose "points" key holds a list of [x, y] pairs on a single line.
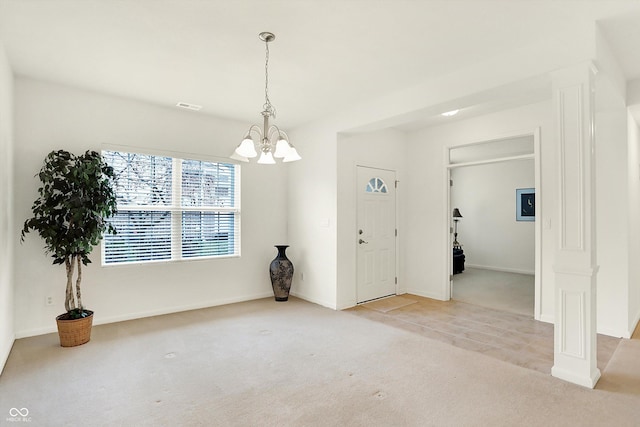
{"points": [[327, 55]]}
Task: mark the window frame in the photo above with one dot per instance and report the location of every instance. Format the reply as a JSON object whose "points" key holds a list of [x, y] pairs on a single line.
{"points": [[176, 210]]}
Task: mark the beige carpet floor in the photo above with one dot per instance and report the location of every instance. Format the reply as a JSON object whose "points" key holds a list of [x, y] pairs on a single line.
{"points": [[263, 363], [510, 292]]}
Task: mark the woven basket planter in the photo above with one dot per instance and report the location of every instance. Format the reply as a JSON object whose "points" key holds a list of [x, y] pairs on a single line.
{"points": [[75, 331]]}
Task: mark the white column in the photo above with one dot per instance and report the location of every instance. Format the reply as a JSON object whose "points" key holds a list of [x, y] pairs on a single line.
{"points": [[575, 261]]}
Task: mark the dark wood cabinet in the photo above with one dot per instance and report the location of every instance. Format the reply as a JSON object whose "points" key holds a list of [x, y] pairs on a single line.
{"points": [[458, 260]]}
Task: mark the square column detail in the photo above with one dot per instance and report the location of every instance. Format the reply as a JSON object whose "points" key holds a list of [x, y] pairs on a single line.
{"points": [[575, 258]]}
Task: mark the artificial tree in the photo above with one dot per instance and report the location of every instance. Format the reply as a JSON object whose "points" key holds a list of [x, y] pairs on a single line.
{"points": [[75, 200]]}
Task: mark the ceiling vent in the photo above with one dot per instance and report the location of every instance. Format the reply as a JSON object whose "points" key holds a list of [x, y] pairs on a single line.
{"points": [[188, 106]]}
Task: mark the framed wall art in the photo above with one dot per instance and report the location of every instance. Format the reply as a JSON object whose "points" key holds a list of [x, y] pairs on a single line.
{"points": [[526, 204]]}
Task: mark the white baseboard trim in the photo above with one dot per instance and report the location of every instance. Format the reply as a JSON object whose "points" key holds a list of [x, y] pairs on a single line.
{"points": [[547, 318], [622, 334], [150, 313], [634, 325], [501, 269], [37, 331], [614, 333], [4, 355], [315, 301]]}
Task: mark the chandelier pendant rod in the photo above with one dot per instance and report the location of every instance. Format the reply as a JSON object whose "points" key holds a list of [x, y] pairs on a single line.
{"points": [[266, 143], [267, 102]]}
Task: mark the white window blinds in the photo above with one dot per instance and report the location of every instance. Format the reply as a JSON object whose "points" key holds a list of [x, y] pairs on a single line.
{"points": [[172, 209]]}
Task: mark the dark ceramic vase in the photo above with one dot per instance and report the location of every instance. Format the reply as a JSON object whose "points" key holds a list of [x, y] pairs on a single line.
{"points": [[281, 271]]}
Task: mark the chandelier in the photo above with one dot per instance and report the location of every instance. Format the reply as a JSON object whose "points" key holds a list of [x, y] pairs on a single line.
{"points": [[273, 142]]}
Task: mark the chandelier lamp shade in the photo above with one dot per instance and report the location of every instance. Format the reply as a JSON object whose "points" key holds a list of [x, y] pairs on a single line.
{"points": [[271, 143]]}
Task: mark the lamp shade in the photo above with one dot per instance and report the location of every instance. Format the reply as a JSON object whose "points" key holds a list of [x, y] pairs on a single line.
{"points": [[247, 148], [236, 156], [292, 155], [456, 213], [282, 149], [266, 158]]}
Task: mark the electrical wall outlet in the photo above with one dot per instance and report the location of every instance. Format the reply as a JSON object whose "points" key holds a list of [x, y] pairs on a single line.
{"points": [[301, 276], [48, 301]]}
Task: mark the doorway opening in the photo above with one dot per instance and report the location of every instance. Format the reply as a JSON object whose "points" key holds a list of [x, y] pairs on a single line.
{"points": [[495, 251]]}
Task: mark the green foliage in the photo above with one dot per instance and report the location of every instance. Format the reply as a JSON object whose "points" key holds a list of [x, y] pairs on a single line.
{"points": [[77, 313], [75, 200]]}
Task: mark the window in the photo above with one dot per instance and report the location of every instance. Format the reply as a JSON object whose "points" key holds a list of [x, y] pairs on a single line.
{"points": [[376, 185], [172, 209]]}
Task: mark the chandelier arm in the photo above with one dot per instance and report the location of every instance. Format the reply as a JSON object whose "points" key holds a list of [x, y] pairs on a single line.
{"points": [[256, 129], [283, 133], [273, 129]]}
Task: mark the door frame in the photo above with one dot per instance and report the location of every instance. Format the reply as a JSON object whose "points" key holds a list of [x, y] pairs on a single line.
{"points": [[355, 229], [448, 166]]}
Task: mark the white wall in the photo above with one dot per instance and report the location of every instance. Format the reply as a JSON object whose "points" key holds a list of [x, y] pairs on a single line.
{"points": [[427, 218], [612, 195], [612, 228], [50, 116], [383, 150], [8, 232], [490, 235], [634, 222], [312, 214]]}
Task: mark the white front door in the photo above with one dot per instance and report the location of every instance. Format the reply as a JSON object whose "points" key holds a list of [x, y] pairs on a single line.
{"points": [[376, 233]]}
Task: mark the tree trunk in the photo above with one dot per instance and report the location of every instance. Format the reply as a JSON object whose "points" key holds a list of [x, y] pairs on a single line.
{"points": [[68, 299], [78, 280]]}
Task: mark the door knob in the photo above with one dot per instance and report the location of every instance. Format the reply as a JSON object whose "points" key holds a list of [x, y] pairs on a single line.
{"points": [[362, 241]]}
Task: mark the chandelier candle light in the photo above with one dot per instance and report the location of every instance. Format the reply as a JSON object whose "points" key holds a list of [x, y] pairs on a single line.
{"points": [[274, 143]]}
